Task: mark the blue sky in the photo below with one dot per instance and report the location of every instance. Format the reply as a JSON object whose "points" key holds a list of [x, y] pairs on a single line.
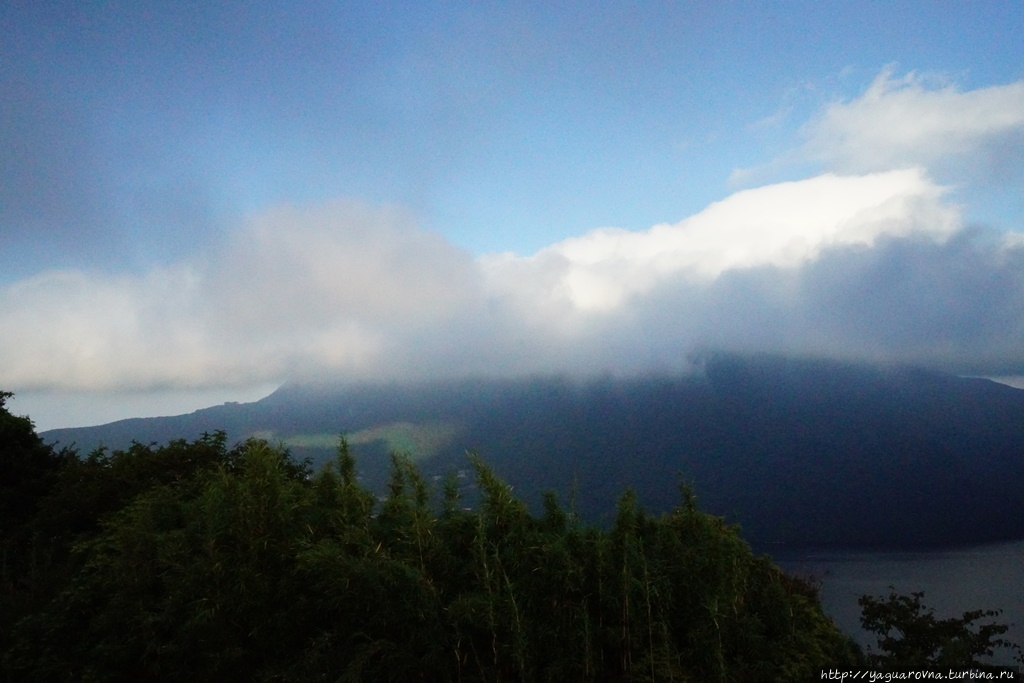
{"points": [[202, 200]]}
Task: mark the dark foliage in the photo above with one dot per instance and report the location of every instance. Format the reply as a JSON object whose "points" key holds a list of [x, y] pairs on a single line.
{"points": [[911, 637], [192, 561], [195, 562], [29, 469]]}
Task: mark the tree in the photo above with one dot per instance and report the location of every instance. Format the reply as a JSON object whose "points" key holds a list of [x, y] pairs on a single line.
{"points": [[192, 561], [909, 634], [191, 578], [28, 472], [27, 468]]}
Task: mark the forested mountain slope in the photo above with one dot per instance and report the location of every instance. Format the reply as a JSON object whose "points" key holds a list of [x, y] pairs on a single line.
{"points": [[800, 452], [195, 562]]}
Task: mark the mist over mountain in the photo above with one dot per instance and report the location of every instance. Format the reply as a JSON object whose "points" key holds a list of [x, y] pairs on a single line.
{"points": [[800, 452]]}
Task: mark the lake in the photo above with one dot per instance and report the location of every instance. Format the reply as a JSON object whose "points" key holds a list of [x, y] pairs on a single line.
{"points": [[953, 581]]}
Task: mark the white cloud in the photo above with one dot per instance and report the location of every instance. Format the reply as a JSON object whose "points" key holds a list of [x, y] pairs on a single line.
{"points": [[873, 264], [912, 121], [293, 292], [345, 290], [781, 225], [76, 329], [307, 265], [1012, 240]]}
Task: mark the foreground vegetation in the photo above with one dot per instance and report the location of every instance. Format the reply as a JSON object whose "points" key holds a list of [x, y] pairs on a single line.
{"points": [[195, 561]]}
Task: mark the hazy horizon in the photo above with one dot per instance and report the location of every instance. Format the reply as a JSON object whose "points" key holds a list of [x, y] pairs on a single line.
{"points": [[49, 410]]}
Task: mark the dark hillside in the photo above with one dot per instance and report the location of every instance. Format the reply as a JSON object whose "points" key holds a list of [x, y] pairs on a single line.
{"points": [[801, 452]]}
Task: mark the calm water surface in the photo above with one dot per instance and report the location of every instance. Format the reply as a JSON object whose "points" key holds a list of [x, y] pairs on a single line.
{"points": [[954, 581]]}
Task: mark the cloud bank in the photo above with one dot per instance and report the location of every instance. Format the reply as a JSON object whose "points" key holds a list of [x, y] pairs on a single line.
{"points": [[876, 266], [906, 121], [783, 225], [869, 259]]}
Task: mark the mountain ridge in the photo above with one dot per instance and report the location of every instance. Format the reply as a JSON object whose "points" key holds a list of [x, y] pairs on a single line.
{"points": [[799, 452]]}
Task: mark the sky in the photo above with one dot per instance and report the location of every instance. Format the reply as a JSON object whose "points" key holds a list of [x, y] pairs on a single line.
{"points": [[200, 201]]}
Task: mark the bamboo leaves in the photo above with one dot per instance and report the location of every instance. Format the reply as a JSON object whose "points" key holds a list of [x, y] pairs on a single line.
{"points": [[241, 564]]}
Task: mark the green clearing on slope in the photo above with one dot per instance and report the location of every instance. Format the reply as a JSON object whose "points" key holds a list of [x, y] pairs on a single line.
{"points": [[417, 440]]}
